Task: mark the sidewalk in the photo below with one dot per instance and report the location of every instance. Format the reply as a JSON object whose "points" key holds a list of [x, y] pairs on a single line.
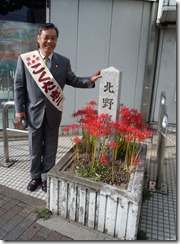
{"points": [[18, 218], [158, 214]]}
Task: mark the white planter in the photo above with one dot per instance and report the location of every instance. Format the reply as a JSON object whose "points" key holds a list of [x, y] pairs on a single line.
{"points": [[99, 206]]}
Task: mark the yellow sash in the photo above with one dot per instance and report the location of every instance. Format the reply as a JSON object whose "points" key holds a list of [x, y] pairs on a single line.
{"points": [[44, 78]]}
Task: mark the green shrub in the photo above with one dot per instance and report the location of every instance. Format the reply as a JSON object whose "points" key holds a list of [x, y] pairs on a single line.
{"points": [[146, 194], [43, 213], [141, 235]]}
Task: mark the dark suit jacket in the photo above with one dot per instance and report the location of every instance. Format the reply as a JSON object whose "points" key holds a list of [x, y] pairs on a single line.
{"points": [[29, 98]]}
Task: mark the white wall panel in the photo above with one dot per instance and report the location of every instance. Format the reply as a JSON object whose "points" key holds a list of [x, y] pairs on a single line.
{"points": [[64, 14], [166, 75], [128, 47], [96, 34], [93, 43]]}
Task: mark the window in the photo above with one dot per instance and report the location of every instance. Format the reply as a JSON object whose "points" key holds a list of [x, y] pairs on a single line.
{"points": [[19, 21], [31, 11]]}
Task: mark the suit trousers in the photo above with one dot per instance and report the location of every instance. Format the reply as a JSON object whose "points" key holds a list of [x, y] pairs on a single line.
{"points": [[43, 143]]}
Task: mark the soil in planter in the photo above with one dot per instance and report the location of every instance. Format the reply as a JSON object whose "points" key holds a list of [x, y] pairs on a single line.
{"points": [[100, 172]]}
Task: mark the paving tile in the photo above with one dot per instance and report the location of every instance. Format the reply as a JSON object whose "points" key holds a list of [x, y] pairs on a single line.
{"points": [[160, 229], [25, 223], [18, 231], [44, 232], [1, 195], [3, 233], [30, 232], [66, 238], [12, 223], [27, 210], [154, 237], [11, 203], [2, 222], [15, 233], [23, 205], [54, 236], [38, 238], [3, 211], [32, 216], [11, 213], [6, 198], [2, 202], [173, 237]]}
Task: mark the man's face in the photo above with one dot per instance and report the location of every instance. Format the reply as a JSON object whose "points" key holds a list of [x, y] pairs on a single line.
{"points": [[47, 41]]}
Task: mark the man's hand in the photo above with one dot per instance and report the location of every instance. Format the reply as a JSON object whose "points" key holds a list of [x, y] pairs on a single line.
{"points": [[20, 116], [96, 76]]}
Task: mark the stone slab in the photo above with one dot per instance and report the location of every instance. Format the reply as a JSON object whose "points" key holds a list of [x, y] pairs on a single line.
{"points": [[73, 230]]}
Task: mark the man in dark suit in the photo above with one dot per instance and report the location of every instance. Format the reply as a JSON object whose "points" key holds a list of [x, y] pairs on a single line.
{"points": [[42, 116]]}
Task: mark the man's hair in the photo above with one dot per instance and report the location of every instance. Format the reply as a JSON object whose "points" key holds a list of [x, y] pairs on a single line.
{"points": [[48, 26]]}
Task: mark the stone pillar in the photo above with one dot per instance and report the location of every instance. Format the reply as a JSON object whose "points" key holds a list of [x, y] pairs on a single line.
{"points": [[109, 92]]}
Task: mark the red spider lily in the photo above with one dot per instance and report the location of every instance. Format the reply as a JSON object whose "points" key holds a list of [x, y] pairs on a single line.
{"points": [[131, 117], [92, 131], [136, 161], [101, 134], [92, 103], [121, 127], [76, 140], [78, 113], [113, 144], [89, 110], [74, 126], [129, 138], [89, 120], [104, 117], [103, 159], [137, 134], [105, 131], [113, 124], [147, 134], [67, 128]]}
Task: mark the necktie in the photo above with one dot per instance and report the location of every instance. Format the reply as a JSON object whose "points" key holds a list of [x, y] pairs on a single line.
{"points": [[45, 60]]}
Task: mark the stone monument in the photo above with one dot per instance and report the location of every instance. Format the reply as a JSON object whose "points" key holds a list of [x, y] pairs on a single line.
{"points": [[109, 92]]}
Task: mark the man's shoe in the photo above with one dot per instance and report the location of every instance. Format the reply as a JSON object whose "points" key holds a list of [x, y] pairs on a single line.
{"points": [[44, 186], [33, 184]]}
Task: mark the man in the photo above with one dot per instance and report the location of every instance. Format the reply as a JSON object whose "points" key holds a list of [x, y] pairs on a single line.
{"points": [[42, 111]]}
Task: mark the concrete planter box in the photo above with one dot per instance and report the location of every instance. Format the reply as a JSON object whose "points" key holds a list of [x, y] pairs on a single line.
{"points": [[102, 207]]}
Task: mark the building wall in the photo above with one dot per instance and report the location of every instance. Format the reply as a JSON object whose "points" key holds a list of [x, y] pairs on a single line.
{"points": [[165, 76], [98, 34]]}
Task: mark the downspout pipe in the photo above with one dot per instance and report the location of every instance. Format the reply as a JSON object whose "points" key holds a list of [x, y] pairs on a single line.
{"points": [[150, 64]]}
